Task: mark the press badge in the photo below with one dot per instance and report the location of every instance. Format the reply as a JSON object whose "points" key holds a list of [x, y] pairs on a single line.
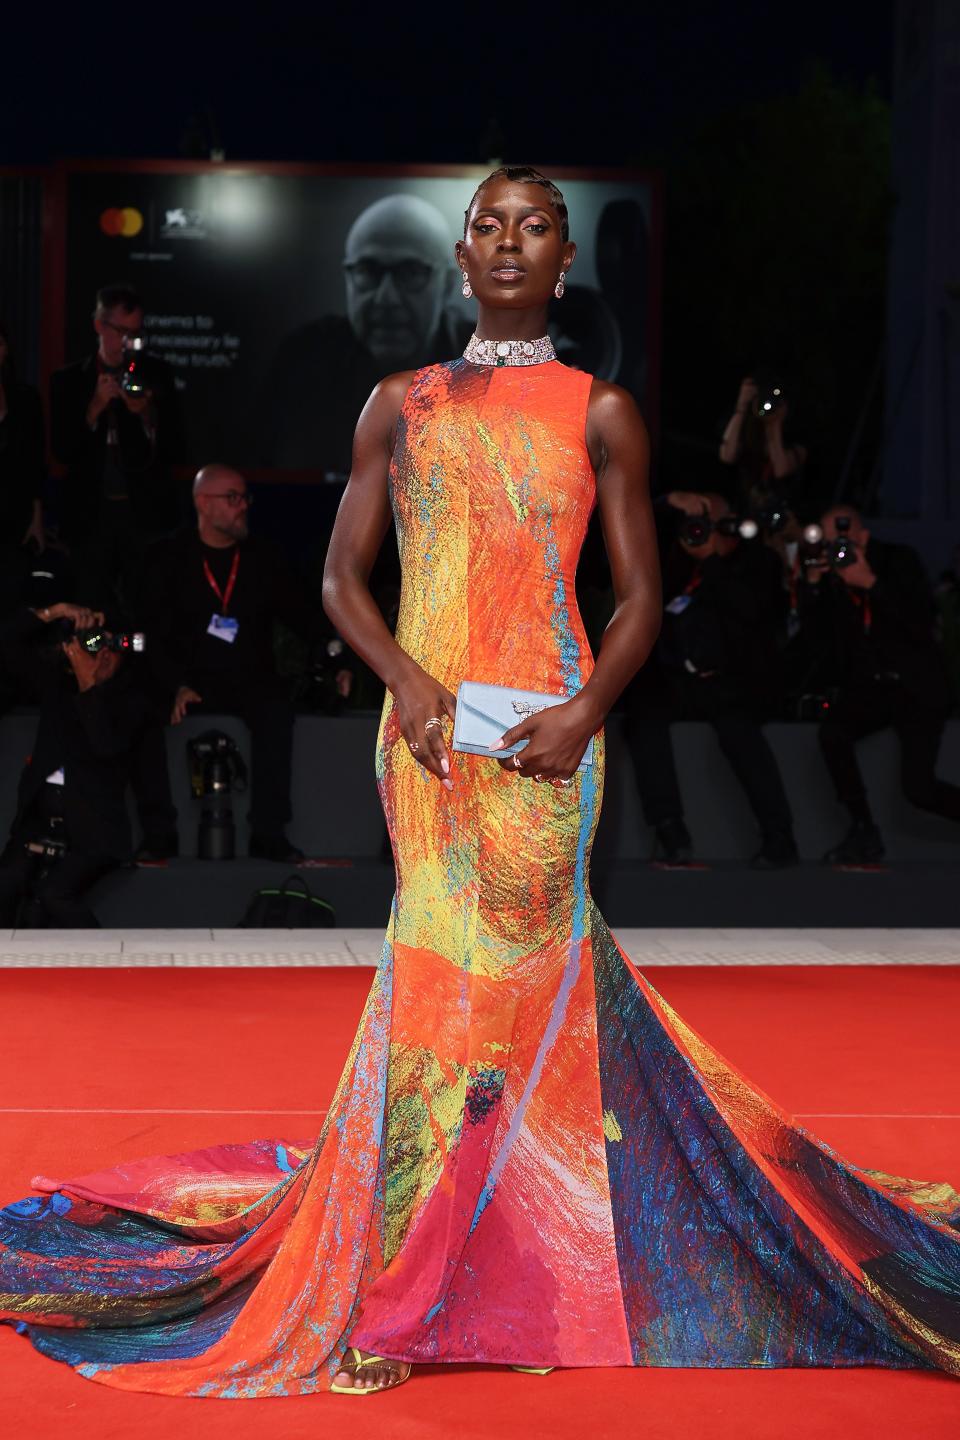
{"points": [[223, 627], [678, 604]]}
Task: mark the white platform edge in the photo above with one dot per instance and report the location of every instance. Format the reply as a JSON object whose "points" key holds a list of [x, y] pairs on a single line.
{"points": [[275, 948]]}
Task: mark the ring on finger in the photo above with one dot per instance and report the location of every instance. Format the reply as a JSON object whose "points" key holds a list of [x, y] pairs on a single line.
{"points": [[538, 776], [564, 783], [414, 745], [517, 762], [434, 723]]}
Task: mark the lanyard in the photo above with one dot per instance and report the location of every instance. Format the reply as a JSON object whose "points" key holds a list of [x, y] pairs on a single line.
{"points": [[223, 595], [861, 602]]}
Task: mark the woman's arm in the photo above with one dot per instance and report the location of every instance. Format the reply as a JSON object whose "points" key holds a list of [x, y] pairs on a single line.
{"points": [[363, 520], [620, 452], [730, 444]]}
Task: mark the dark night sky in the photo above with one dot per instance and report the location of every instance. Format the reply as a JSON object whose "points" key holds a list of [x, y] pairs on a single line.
{"points": [[591, 84]]}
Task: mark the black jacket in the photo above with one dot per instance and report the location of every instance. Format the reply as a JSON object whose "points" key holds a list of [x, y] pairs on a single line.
{"points": [[89, 733], [180, 602], [732, 607], [145, 463], [854, 635], [319, 381]]}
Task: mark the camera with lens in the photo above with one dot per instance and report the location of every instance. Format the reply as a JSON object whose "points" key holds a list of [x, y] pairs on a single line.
{"points": [[769, 397], [50, 843], [772, 514], [837, 553], [121, 642], [134, 381], [316, 689], [216, 769], [812, 705], [695, 530]]}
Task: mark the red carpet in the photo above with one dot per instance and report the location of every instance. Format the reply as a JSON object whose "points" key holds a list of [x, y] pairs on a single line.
{"points": [[860, 1051]]}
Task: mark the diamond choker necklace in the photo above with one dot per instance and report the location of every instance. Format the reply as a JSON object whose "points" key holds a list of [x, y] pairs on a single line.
{"points": [[509, 352]]}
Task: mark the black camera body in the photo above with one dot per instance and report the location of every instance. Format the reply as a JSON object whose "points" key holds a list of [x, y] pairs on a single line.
{"points": [[812, 705], [838, 553], [134, 381], [97, 638], [769, 398], [316, 689], [216, 769], [772, 514], [695, 530], [121, 642]]}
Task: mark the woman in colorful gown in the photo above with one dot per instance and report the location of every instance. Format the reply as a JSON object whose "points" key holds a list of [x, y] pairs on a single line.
{"points": [[530, 1159]]}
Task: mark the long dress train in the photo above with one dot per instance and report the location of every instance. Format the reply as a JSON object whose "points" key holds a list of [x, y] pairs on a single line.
{"points": [[530, 1158]]}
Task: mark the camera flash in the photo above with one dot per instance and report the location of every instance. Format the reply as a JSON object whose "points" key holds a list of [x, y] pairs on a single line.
{"points": [[749, 529], [813, 534]]}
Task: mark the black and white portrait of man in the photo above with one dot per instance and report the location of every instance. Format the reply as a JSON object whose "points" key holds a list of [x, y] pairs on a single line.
{"points": [[399, 275]]}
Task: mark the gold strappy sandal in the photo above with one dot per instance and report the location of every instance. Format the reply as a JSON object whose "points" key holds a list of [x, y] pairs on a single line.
{"points": [[360, 1364], [531, 1370]]}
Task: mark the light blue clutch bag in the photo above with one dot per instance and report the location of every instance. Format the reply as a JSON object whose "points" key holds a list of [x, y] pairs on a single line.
{"points": [[484, 712]]}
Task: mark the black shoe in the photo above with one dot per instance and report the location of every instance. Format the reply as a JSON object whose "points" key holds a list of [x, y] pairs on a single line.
{"points": [[154, 849], [274, 847], [672, 842], [777, 852], [862, 845]]}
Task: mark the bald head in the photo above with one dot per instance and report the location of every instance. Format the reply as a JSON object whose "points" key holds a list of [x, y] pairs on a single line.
{"points": [[399, 264], [221, 499], [403, 225], [217, 477]]}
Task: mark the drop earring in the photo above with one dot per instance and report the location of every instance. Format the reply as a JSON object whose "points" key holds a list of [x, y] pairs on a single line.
{"points": [[466, 288], [560, 286]]}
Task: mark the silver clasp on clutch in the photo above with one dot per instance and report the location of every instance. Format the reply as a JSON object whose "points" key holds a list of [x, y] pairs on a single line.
{"points": [[523, 707]]}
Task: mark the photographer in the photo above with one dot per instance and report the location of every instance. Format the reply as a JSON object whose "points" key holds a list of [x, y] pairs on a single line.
{"points": [[867, 610], [768, 465], [723, 597], [215, 592], [71, 824], [115, 421]]}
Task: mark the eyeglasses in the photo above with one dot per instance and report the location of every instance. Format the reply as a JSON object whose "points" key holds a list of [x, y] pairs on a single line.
{"points": [[234, 498], [411, 276], [129, 331]]}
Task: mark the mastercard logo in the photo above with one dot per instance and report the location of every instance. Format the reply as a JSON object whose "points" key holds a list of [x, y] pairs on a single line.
{"points": [[126, 222]]}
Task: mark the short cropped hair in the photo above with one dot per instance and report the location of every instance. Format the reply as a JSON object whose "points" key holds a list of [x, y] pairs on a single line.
{"points": [[119, 296], [525, 175]]}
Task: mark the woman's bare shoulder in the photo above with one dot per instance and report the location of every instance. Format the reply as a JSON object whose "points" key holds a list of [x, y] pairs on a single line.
{"points": [[389, 393], [611, 403]]}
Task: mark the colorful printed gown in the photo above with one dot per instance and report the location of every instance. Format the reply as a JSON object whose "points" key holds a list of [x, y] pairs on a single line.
{"points": [[530, 1158]]}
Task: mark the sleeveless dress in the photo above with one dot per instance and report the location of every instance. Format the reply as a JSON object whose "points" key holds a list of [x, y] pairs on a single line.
{"points": [[530, 1158]]}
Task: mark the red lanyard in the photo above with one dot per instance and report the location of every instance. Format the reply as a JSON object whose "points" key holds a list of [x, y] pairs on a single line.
{"points": [[223, 595], [862, 602]]}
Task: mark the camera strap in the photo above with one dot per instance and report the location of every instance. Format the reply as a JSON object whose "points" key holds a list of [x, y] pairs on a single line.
{"points": [[223, 595]]}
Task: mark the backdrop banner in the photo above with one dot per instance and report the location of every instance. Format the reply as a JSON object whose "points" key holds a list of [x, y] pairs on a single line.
{"points": [[282, 298]]}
